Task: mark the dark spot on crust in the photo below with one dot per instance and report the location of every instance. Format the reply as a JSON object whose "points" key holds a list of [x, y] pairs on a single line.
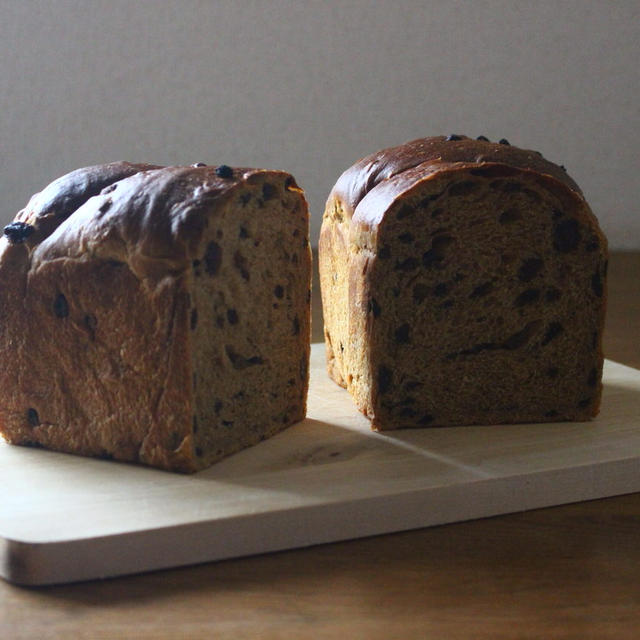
{"points": [[18, 232], [197, 165], [504, 141], [401, 335], [213, 258], [32, 417], [566, 235], [529, 296], [61, 306], [452, 137], [194, 318], [553, 331], [385, 378], [529, 269], [483, 138]]}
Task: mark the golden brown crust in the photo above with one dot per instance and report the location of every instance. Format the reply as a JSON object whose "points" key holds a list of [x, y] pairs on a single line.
{"points": [[96, 276]]}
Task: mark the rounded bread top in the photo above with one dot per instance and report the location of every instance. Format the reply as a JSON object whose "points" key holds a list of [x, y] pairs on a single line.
{"points": [[427, 156], [148, 216]]}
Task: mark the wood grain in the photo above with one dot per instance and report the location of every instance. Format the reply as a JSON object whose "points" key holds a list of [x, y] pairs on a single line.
{"points": [[567, 572]]}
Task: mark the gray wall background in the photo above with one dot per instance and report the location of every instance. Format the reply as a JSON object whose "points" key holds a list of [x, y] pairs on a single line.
{"points": [[311, 86]]}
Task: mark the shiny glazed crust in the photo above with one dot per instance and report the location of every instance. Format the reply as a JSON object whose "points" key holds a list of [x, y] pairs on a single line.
{"points": [[99, 328], [422, 219]]}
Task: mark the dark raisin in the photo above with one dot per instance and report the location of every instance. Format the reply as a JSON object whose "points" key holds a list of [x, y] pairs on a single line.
{"points": [[427, 418], [520, 338], [438, 250], [32, 417], [278, 291], [504, 141], [482, 290], [199, 452], [420, 292], [483, 138], [441, 290], [512, 187], [61, 306], [566, 235], [217, 407], [553, 331], [385, 378], [296, 326], [553, 372], [213, 258], [401, 335], [404, 211], [552, 294], [409, 264], [194, 318], [195, 424], [529, 269], [244, 199], [593, 244], [551, 414], [232, 316], [592, 380], [239, 362], [452, 137], [509, 216], [436, 213], [594, 339], [463, 188], [105, 206], [374, 308], [224, 171], [384, 253], [91, 323], [18, 232], [596, 284], [406, 238], [197, 165], [269, 191], [303, 368], [447, 304], [243, 233], [528, 296], [585, 402], [407, 412], [240, 263]]}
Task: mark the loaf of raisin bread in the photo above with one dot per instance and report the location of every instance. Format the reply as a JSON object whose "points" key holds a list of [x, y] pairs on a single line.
{"points": [[155, 315], [463, 282]]}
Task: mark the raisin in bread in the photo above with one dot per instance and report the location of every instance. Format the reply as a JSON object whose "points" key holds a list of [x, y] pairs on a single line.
{"points": [[463, 282], [155, 315]]}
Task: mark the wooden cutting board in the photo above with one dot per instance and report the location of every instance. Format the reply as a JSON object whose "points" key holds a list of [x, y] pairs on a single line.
{"points": [[66, 518]]}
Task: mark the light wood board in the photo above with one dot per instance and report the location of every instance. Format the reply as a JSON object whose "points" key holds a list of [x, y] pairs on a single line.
{"points": [[66, 518]]}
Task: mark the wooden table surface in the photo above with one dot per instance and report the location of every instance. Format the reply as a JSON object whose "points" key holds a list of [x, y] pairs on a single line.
{"points": [[565, 572]]}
